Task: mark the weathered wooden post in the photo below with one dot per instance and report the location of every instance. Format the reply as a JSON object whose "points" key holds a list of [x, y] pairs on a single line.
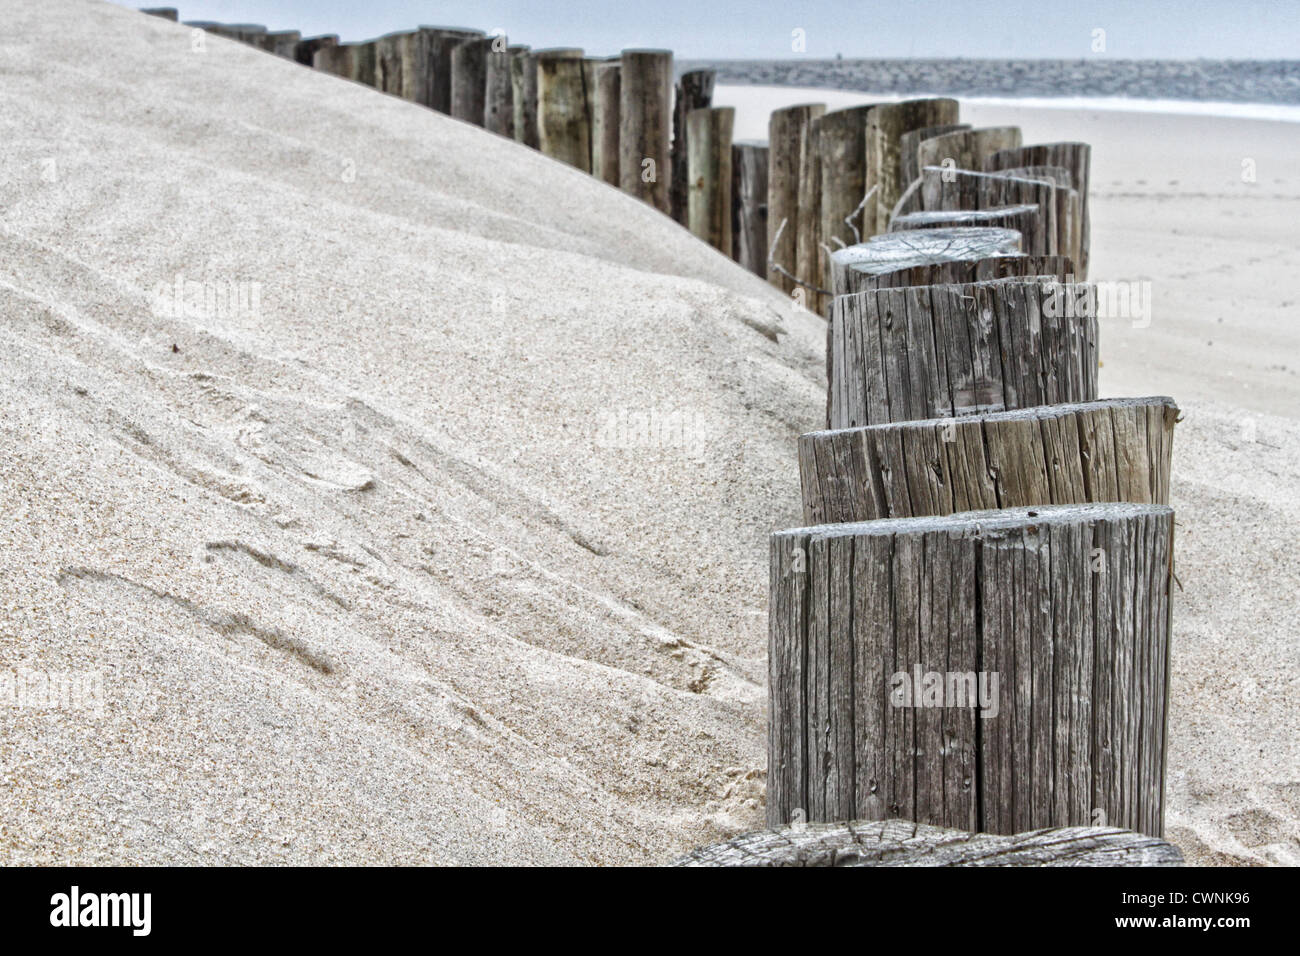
{"points": [[563, 123], [1112, 450], [250, 33], [914, 353], [438, 46], [852, 267], [841, 137], [965, 149], [645, 125], [1076, 157], [908, 143], [904, 843], [390, 68], [787, 140], [810, 254], [523, 81], [885, 126], [1069, 205], [305, 51], [362, 62], [962, 271], [952, 189], [708, 170], [279, 42], [604, 123], [1022, 218], [469, 79], [749, 163], [498, 96], [333, 58], [694, 91], [994, 670]]}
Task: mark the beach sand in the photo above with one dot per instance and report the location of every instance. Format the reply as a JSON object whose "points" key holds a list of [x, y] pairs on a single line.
{"points": [[453, 549]]}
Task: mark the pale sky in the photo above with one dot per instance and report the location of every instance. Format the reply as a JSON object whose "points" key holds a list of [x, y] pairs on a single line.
{"points": [[701, 29]]}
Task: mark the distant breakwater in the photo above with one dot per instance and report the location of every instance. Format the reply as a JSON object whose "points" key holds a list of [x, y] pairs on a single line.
{"points": [[1233, 81]]}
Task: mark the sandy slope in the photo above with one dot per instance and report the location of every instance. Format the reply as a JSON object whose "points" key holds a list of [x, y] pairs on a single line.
{"points": [[373, 574], [384, 571]]}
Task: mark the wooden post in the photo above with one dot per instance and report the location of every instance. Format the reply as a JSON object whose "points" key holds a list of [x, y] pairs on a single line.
{"points": [[391, 67], [305, 51], [469, 79], [888, 252], [523, 83], [965, 149], [903, 843], [604, 123], [810, 255], [787, 139], [1069, 207], [749, 163], [908, 143], [841, 135], [1022, 218], [962, 271], [250, 33], [591, 67], [708, 171], [694, 91], [912, 353], [279, 42], [885, 126], [498, 96], [996, 671], [1076, 157], [952, 189], [563, 123], [334, 58], [363, 62], [1113, 450], [439, 44], [645, 119]]}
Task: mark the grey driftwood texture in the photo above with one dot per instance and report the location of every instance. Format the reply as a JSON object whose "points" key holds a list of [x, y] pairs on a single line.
{"points": [[1112, 450], [1022, 218], [891, 251], [1076, 157], [962, 189], [886, 125], [966, 149], [881, 632], [961, 271], [902, 843], [911, 140], [912, 353]]}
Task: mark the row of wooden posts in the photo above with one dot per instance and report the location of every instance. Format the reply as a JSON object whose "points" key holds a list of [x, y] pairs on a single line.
{"points": [[973, 629], [616, 118]]}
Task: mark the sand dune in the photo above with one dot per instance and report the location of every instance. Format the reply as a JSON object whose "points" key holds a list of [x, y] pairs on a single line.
{"points": [[453, 547]]}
